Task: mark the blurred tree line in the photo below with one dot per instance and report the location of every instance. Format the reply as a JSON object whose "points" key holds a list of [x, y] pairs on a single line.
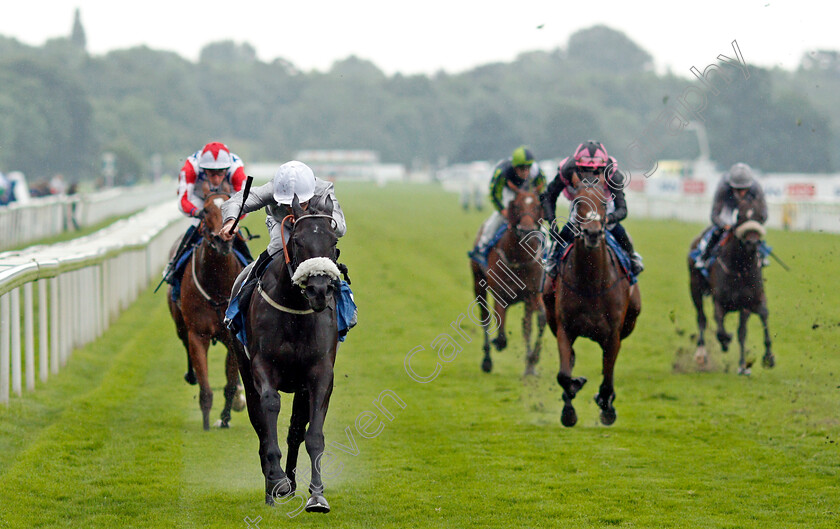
{"points": [[61, 108]]}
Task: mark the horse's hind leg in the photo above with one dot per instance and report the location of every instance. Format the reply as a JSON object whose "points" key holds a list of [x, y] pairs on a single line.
{"points": [[183, 335], [297, 430], [479, 284], [500, 308], [769, 360], [232, 376], [743, 366], [198, 355], [701, 356], [533, 353], [319, 400]]}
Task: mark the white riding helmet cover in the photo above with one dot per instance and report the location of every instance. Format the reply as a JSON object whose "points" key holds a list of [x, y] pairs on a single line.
{"points": [[215, 155], [293, 178]]}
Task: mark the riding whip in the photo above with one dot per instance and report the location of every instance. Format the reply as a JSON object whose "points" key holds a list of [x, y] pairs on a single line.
{"points": [[774, 256], [244, 198]]}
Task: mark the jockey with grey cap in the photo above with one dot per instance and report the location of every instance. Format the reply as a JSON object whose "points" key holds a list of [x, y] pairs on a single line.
{"points": [[735, 185], [293, 178]]}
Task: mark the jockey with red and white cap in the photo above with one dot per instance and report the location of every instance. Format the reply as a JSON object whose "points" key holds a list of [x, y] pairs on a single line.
{"points": [[590, 161], [209, 170]]}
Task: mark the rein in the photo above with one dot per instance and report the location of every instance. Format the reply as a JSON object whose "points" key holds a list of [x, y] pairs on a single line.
{"points": [[216, 304]]}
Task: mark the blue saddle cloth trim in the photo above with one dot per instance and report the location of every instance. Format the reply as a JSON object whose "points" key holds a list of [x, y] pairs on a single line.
{"points": [[236, 319], [622, 256], [497, 236], [345, 311]]}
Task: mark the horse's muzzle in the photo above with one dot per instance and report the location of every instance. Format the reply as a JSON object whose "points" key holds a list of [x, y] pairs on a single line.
{"points": [[319, 291], [220, 245], [592, 238]]}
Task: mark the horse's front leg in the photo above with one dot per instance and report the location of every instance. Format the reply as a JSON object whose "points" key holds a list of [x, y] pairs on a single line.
{"points": [[570, 385], [606, 393], [743, 317], [277, 484], [723, 337], [769, 359], [198, 345], [320, 389], [231, 387], [297, 431]]}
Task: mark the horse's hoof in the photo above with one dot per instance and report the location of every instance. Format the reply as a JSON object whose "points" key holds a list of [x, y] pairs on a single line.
{"points": [[701, 356], [190, 377], [222, 424], [239, 403], [530, 372], [746, 371], [608, 414], [608, 417], [500, 342], [317, 503], [281, 489], [487, 365], [569, 416], [769, 360]]}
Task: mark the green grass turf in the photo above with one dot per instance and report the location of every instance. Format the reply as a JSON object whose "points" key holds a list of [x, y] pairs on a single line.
{"points": [[116, 441]]}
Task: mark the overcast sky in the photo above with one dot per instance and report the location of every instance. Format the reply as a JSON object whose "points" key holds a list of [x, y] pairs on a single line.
{"points": [[431, 35]]}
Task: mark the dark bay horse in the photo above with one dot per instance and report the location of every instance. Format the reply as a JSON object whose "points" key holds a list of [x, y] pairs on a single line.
{"points": [[199, 313], [735, 284], [591, 297], [513, 274], [292, 337]]}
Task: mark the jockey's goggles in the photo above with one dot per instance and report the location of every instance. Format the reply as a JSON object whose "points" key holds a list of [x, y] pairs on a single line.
{"points": [[592, 162]]}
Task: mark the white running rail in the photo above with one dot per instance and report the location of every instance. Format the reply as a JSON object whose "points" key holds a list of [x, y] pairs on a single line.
{"points": [[57, 298]]}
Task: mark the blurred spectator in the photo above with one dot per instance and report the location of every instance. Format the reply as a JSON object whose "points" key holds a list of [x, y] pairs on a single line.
{"points": [[5, 190], [57, 185]]}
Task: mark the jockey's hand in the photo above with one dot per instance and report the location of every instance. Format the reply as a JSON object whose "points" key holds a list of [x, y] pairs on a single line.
{"points": [[504, 213], [225, 232], [727, 227]]}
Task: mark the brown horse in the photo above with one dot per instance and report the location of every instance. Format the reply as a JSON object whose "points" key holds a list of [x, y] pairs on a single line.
{"points": [[292, 339], [591, 297], [513, 274], [734, 284], [199, 313]]}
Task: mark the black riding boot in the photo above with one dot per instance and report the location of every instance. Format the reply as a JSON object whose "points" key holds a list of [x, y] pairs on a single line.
{"points": [[623, 240], [561, 241], [706, 253], [189, 238]]}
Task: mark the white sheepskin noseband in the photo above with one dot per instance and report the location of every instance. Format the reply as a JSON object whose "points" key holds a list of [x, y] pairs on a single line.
{"points": [[750, 225], [316, 266]]}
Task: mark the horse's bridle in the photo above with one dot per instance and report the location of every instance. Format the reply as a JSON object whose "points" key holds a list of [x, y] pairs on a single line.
{"points": [[292, 264]]}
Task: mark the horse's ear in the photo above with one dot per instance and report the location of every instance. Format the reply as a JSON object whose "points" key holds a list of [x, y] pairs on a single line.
{"points": [[205, 187], [328, 205], [227, 188], [296, 209]]}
